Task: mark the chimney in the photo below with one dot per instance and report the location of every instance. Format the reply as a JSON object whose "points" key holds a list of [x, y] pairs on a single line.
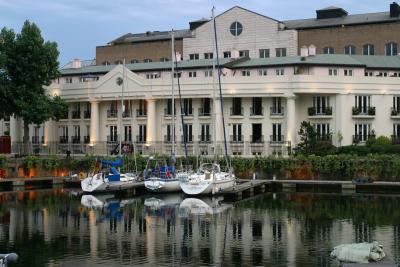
{"points": [[394, 10], [312, 50], [76, 63], [304, 51]]}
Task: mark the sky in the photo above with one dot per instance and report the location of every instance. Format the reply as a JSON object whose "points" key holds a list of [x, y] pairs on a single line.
{"points": [[78, 26]]}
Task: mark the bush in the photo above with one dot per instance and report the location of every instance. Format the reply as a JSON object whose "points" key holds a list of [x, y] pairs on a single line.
{"points": [[31, 162], [3, 162], [51, 163]]}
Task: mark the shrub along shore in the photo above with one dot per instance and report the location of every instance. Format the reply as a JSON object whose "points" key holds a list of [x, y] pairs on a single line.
{"points": [[379, 167]]}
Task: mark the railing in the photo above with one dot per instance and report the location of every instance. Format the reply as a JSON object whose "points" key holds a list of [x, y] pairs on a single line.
{"points": [[76, 114], [276, 139], [141, 139], [76, 139], [236, 138], [189, 139], [188, 112], [395, 139], [256, 139], [111, 113], [63, 139], [65, 116], [127, 113], [256, 111], [236, 111], [324, 137], [276, 111], [395, 111], [318, 111], [141, 113], [206, 138], [168, 138], [86, 139], [86, 114], [370, 111], [204, 112], [112, 138], [168, 112], [362, 138], [37, 140]]}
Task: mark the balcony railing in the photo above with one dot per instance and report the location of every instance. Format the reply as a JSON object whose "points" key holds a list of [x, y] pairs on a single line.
{"points": [[206, 138], [276, 111], [256, 111], [141, 113], [236, 138], [395, 112], [168, 138], [324, 137], [188, 112], [362, 138], [189, 139], [140, 139], [168, 112], [204, 112], [237, 111], [256, 139], [37, 140], [76, 139], [112, 138], [369, 111], [395, 139], [63, 139], [86, 139], [112, 113], [319, 111], [76, 114], [86, 114], [127, 113], [276, 139]]}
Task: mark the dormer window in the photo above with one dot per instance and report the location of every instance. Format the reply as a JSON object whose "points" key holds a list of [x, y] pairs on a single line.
{"points": [[133, 61], [118, 62], [368, 50], [164, 59], [147, 60], [329, 50], [236, 28], [106, 63], [349, 50], [391, 49]]}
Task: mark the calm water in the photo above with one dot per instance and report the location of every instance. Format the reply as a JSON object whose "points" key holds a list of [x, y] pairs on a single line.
{"points": [[60, 228]]}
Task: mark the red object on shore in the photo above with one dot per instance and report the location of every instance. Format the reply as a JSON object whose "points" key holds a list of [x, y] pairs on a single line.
{"points": [[5, 144]]}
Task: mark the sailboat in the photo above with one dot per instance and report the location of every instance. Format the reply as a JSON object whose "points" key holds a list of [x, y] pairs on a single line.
{"points": [[209, 179], [163, 178]]}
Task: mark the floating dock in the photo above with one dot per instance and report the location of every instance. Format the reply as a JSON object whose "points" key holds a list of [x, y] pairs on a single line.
{"points": [[21, 183], [244, 189]]}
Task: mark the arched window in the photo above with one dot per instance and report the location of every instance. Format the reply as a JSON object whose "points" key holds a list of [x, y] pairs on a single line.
{"points": [[133, 61], [391, 49], [368, 50], [329, 50], [236, 28], [164, 59], [350, 50], [106, 63], [147, 60], [118, 62]]}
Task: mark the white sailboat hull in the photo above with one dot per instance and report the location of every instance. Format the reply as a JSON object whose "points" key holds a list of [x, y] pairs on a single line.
{"points": [[158, 185], [98, 183], [203, 186]]}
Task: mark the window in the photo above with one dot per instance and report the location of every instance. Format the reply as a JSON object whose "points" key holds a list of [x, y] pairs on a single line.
{"points": [[348, 72], [152, 76], [277, 136], [237, 132], [368, 50], [142, 111], [76, 111], [134, 61], [333, 72], [256, 136], [205, 109], [164, 59], [362, 103], [177, 74], [208, 73], [262, 72], [236, 28], [329, 50], [236, 109], [169, 137], [193, 56], [64, 134], [209, 55], [227, 54], [128, 133], [280, 52], [205, 133], [68, 80], [276, 108], [362, 132], [245, 73], [118, 62], [106, 63], [187, 133], [192, 74], [391, 49], [141, 138], [368, 73], [321, 105], [322, 130], [77, 134], [396, 105], [244, 53], [350, 50], [147, 60], [168, 110], [187, 107], [113, 137], [280, 72], [264, 53], [86, 138], [86, 79], [256, 109], [396, 132]]}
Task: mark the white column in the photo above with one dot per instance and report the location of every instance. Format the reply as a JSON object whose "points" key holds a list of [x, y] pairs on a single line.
{"points": [[94, 123], [151, 130], [15, 129], [49, 132], [340, 114], [291, 120]]}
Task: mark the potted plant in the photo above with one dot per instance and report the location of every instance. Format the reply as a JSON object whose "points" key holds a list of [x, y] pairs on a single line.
{"points": [[311, 111], [371, 111], [356, 111], [30, 165], [328, 111], [3, 166]]}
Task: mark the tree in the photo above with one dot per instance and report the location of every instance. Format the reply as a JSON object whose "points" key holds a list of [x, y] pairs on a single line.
{"points": [[28, 65], [308, 138]]}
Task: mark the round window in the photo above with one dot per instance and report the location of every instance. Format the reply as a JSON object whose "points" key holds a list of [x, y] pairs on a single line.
{"points": [[236, 28]]}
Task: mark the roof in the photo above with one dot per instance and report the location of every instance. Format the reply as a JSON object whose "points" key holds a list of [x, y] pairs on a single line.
{"points": [[371, 62], [368, 18], [151, 36]]}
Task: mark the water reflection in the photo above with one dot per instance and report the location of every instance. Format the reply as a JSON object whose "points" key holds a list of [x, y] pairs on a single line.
{"points": [[60, 228]]}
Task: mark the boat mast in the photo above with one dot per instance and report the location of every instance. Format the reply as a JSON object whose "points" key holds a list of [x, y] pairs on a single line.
{"points": [[173, 93], [220, 90], [214, 114]]}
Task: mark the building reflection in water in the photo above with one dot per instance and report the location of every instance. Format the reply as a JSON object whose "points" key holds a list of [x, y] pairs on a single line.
{"points": [[164, 230]]}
